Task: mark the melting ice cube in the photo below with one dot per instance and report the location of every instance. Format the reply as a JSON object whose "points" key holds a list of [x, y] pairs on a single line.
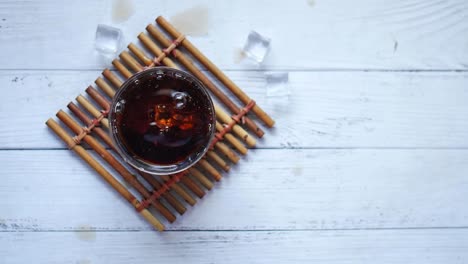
{"points": [[108, 39], [256, 47], [277, 84]]}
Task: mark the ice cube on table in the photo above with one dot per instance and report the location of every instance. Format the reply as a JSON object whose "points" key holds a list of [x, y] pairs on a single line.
{"points": [[256, 47], [108, 39], [278, 93], [277, 84]]}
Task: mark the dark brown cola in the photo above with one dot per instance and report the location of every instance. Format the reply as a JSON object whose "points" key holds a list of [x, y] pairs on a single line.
{"points": [[163, 119]]}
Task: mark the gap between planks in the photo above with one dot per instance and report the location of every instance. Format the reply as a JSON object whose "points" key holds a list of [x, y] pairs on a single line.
{"points": [[237, 230], [422, 70]]}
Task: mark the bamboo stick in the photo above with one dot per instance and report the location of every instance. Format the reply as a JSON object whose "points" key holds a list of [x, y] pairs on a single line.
{"points": [[91, 109], [218, 160], [201, 178], [112, 78], [213, 155], [192, 186], [262, 115], [87, 121], [104, 173], [238, 130], [220, 146], [181, 191], [231, 139], [197, 191], [153, 31], [130, 61], [117, 166], [139, 54], [167, 195], [210, 169], [151, 46], [121, 68], [105, 87], [98, 98]]}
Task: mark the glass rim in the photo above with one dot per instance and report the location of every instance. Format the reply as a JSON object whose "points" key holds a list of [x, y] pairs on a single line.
{"points": [[159, 169]]}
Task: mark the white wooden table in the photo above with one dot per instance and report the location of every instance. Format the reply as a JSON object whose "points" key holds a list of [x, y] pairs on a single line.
{"points": [[368, 163]]}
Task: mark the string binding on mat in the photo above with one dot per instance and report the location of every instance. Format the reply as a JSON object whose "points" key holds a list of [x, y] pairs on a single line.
{"points": [[164, 188], [238, 118], [85, 130], [166, 52]]}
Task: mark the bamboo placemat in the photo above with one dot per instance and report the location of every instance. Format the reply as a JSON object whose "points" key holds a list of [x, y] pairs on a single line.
{"points": [[232, 137]]}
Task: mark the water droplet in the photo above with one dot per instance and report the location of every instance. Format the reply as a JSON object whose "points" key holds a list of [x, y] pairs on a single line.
{"points": [[159, 76], [136, 82]]}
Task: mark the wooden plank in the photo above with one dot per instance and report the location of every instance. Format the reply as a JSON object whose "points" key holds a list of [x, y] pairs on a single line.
{"points": [[325, 109], [330, 34], [271, 189], [337, 247]]}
